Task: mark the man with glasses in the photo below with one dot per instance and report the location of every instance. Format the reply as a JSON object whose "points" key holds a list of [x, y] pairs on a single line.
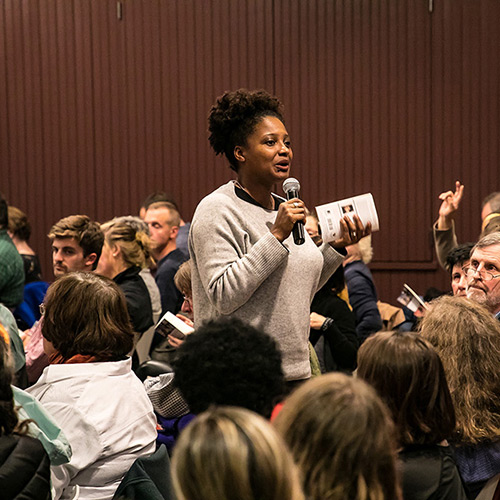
{"points": [[483, 273]]}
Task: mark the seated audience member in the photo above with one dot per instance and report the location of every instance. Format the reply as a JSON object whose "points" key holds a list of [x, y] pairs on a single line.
{"points": [[492, 225], [166, 348], [228, 362], [76, 246], [332, 318], [444, 228], [456, 260], [8, 322], [39, 423], [341, 437], [89, 387], [361, 287], [163, 221], [183, 233], [143, 346], [483, 272], [20, 232], [408, 375], [225, 362], [154, 293], [24, 464], [467, 339], [34, 289], [124, 253], [11, 264], [233, 454], [312, 227]]}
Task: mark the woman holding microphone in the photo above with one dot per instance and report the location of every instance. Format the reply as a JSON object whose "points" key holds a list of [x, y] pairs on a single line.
{"points": [[244, 260]]}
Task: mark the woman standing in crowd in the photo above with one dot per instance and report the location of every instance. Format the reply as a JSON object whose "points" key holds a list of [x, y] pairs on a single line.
{"points": [[233, 454], [124, 253], [407, 373], [341, 437], [244, 262], [89, 387], [467, 339]]}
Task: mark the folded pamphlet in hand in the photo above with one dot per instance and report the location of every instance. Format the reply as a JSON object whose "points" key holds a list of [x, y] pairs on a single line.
{"points": [[170, 324], [330, 214], [411, 299]]}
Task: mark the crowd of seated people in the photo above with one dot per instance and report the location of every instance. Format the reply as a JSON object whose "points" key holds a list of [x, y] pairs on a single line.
{"points": [[405, 415]]}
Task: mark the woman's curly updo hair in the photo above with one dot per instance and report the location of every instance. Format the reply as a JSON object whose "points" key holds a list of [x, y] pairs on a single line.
{"points": [[234, 117]]}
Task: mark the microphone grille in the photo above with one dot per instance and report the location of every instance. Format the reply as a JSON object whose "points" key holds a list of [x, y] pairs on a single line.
{"points": [[291, 184]]}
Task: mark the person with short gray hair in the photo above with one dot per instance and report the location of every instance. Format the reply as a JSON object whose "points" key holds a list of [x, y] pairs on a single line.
{"points": [[483, 273]]}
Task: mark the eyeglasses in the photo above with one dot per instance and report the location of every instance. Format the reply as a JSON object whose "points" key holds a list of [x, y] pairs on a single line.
{"points": [[187, 299], [484, 275]]}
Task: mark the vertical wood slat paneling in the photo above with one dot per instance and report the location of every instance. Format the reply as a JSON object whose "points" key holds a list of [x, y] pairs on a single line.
{"points": [[336, 91], [99, 112], [466, 105]]}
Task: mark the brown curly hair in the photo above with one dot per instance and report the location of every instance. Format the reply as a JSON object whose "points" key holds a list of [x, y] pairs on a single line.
{"points": [[467, 339], [234, 117]]}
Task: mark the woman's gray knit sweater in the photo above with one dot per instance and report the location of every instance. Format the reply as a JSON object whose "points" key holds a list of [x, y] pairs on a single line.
{"points": [[239, 268]]}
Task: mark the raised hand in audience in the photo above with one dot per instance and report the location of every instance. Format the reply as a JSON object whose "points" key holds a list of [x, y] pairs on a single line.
{"points": [[449, 206]]}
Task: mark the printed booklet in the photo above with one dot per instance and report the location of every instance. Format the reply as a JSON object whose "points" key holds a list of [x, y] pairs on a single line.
{"points": [[330, 214]]}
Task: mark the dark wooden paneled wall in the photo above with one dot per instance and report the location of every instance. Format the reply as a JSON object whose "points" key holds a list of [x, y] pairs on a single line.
{"points": [[103, 101]]}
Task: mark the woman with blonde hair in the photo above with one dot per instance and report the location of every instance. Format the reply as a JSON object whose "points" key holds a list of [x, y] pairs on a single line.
{"points": [[408, 375], [230, 453], [125, 252], [341, 437], [467, 338]]}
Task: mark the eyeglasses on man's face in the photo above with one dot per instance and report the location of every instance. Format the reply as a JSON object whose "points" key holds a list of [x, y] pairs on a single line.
{"points": [[484, 275]]}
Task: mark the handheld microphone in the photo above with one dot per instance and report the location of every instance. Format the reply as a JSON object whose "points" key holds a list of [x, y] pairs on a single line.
{"points": [[291, 187]]}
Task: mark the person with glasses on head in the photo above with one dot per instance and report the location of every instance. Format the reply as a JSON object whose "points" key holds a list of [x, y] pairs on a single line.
{"points": [[483, 273]]}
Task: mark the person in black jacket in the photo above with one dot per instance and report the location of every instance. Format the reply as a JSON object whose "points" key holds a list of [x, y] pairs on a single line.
{"points": [[124, 253], [24, 464], [332, 319]]}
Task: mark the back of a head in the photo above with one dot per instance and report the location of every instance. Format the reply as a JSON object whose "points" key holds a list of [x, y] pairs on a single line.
{"points": [[407, 373], [86, 232], [228, 362], [467, 339], [87, 314], [341, 437], [233, 454], [492, 225], [133, 239], [494, 201], [19, 224]]}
